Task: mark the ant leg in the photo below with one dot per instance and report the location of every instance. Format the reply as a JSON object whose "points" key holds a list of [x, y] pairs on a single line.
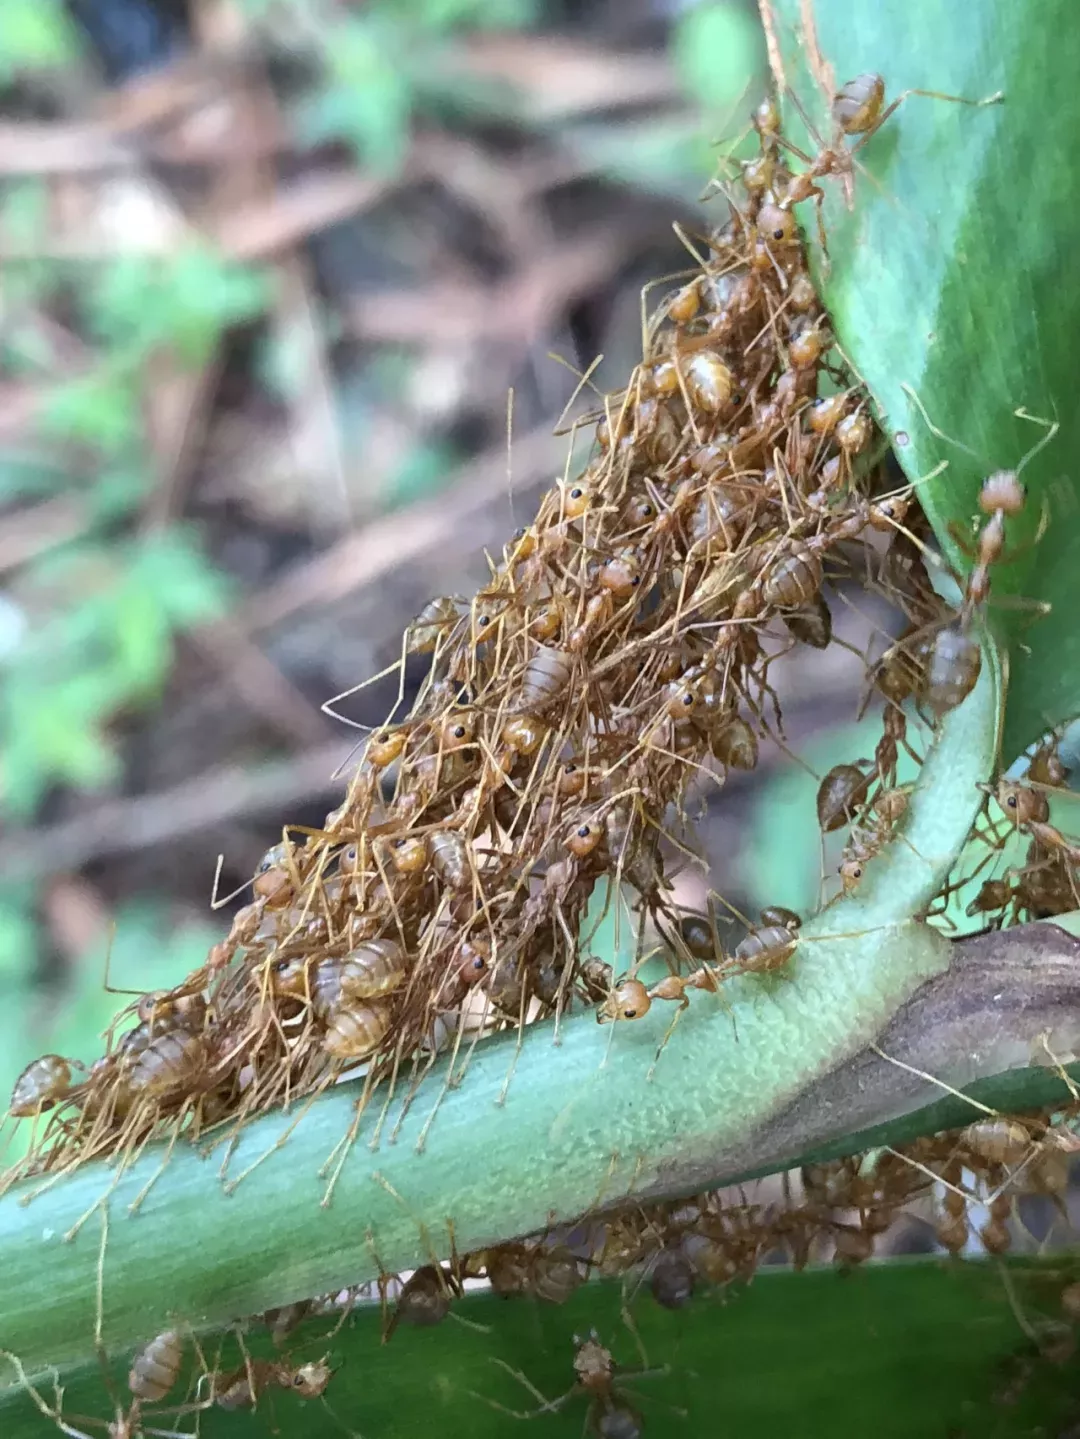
{"points": [[811, 130], [819, 207], [684, 1003], [54, 1414], [547, 1406], [996, 98], [934, 430]]}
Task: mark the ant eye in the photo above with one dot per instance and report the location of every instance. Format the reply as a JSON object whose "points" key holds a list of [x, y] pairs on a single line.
{"points": [[630, 1012], [585, 830], [576, 492], [778, 234], [636, 581], [459, 730], [484, 621]]}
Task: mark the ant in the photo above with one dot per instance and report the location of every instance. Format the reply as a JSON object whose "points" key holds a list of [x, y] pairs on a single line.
{"points": [[124, 1425], [1001, 496], [857, 109], [610, 1415]]}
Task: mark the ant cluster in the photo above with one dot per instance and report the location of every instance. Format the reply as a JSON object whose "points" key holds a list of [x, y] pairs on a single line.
{"points": [[1046, 883], [620, 650], [963, 1185]]}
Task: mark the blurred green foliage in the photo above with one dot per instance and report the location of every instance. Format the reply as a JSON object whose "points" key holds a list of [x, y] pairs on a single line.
{"points": [[383, 64], [91, 622], [718, 57], [34, 35], [101, 611], [88, 622], [718, 52]]}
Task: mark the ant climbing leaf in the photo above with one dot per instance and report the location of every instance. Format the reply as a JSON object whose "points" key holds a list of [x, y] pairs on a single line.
{"points": [[942, 288]]}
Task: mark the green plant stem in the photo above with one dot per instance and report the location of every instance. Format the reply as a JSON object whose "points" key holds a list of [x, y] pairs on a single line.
{"points": [[573, 1129]]}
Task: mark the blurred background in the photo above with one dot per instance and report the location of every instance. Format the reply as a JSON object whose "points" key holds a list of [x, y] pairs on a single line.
{"points": [[268, 270]]}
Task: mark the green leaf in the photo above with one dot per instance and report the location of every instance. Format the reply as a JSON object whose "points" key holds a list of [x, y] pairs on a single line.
{"points": [[51, 732], [666, 156], [25, 217], [424, 471], [947, 282], [909, 1348], [106, 640], [18, 937]]}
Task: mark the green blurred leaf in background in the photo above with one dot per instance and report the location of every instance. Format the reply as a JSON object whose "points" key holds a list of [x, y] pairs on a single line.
{"points": [[34, 35], [184, 301], [104, 640]]}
